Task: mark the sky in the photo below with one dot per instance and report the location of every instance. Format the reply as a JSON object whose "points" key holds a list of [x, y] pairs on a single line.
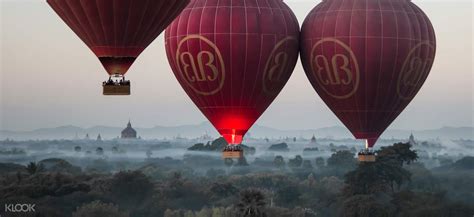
{"points": [[50, 78]]}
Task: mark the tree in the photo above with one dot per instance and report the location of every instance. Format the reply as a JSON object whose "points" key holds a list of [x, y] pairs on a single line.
{"points": [[319, 162], [311, 180], [176, 180], [288, 195], [251, 204], [279, 161], [400, 152], [366, 179], [340, 163], [377, 177], [99, 151], [222, 190], [189, 213], [218, 212], [33, 168], [149, 153], [77, 149], [465, 163], [280, 147], [344, 159], [296, 162], [331, 185], [421, 179], [130, 188], [172, 213], [213, 173], [229, 162], [98, 209], [432, 204], [385, 173], [205, 212], [445, 161], [364, 205], [307, 164], [58, 165], [242, 162]]}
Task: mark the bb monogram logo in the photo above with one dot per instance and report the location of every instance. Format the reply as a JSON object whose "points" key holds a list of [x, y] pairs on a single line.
{"points": [[335, 68], [276, 66], [204, 71], [415, 69]]}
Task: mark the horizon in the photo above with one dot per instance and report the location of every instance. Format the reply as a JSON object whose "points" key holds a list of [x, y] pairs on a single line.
{"points": [[208, 123], [447, 134]]}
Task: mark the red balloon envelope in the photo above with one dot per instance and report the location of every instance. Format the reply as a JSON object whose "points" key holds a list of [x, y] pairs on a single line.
{"points": [[117, 31], [367, 59], [233, 58]]}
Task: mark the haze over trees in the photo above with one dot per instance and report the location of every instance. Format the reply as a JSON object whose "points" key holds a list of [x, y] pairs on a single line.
{"points": [[110, 183]]}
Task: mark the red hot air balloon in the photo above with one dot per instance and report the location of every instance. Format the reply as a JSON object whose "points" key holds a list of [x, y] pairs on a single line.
{"points": [[233, 58], [117, 31], [367, 60]]}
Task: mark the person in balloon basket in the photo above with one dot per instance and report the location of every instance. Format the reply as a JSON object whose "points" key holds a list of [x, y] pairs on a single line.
{"points": [[121, 82], [108, 82]]}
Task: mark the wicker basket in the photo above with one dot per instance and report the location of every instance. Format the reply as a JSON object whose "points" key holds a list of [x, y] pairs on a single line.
{"points": [[232, 154], [116, 90], [366, 157]]}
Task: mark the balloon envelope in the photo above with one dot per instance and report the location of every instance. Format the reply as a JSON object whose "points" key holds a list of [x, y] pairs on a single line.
{"points": [[117, 31], [233, 58], [367, 59]]}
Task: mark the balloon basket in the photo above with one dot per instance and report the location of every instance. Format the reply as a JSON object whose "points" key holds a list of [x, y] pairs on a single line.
{"points": [[232, 152], [366, 156], [116, 90]]}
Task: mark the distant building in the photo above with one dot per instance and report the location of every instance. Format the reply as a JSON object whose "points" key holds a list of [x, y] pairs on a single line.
{"points": [[313, 139], [206, 137], [129, 132], [411, 140]]}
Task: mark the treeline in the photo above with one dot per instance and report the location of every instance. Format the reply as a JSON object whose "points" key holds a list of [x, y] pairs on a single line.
{"points": [[396, 185]]}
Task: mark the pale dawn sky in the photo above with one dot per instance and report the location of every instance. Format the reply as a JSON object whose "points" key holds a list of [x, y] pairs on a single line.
{"points": [[49, 78]]}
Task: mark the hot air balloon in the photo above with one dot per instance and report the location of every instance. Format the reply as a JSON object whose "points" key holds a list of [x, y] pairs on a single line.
{"points": [[232, 58], [117, 31], [367, 60]]}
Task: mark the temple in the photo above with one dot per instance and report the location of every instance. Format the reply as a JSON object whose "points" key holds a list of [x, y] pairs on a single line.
{"points": [[129, 132]]}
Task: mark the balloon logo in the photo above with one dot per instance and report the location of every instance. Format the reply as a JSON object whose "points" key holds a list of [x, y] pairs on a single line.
{"points": [[208, 75], [415, 69], [335, 68], [276, 66]]}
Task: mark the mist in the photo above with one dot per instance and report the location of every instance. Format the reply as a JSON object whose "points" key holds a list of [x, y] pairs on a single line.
{"points": [[287, 175]]}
